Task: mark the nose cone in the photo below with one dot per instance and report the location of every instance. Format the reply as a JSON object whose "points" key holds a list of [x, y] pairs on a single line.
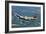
{"points": [[35, 17]]}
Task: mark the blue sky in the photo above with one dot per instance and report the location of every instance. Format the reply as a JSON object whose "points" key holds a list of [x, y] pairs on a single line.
{"points": [[26, 11]]}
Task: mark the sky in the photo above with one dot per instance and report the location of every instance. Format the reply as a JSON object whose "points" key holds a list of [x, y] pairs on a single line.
{"points": [[26, 11]]}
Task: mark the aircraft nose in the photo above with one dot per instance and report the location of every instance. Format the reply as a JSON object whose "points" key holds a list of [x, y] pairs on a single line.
{"points": [[35, 17]]}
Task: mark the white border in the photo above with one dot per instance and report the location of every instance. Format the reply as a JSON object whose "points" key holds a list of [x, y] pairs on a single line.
{"points": [[27, 28]]}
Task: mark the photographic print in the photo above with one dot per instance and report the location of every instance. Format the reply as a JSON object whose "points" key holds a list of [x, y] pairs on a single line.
{"points": [[25, 16]]}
